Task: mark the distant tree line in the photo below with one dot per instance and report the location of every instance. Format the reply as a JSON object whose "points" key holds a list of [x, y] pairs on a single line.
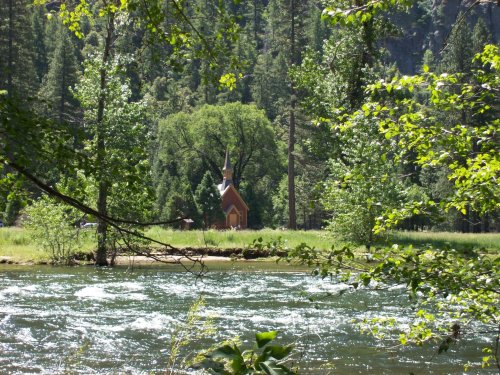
{"points": [[163, 122]]}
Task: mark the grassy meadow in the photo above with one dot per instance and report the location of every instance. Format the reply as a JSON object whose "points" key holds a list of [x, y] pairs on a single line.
{"points": [[487, 242], [18, 244], [240, 239]]}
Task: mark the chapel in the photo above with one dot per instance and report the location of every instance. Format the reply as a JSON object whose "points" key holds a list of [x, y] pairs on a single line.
{"points": [[234, 207]]}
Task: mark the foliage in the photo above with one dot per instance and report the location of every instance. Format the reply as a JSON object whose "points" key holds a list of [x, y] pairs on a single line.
{"points": [[168, 22], [17, 70], [172, 77], [362, 184], [462, 287], [189, 145], [357, 184], [114, 127], [345, 13], [194, 328], [230, 358], [208, 201], [124, 127], [52, 227], [61, 77], [180, 202], [450, 291], [198, 141], [12, 210], [468, 149], [309, 190]]}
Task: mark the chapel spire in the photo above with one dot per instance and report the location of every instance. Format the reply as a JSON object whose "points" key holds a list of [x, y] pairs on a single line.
{"points": [[227, 171]]}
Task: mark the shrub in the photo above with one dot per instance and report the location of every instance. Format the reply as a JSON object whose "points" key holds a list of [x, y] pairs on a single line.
{"points": [[52, 229]]}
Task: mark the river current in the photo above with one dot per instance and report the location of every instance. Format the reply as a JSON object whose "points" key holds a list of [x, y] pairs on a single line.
{"points": [[116, 321]]}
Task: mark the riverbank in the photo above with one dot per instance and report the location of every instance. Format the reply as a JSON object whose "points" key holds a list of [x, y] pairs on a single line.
{"points": [[125, 260], [154, 259], [172, 264], [17, 245]]}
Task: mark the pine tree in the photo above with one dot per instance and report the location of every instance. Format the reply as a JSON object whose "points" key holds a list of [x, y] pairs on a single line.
{"points": [[458, 54], [208, 200], [51, 28], [180, 202], [12, 209], [480, 36], [255, 13], [317, 31], [286, 38], [61, 77], [17, 72], [38, 22]]}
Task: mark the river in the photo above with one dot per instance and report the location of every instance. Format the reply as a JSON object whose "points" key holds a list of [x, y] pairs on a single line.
{"points": [[116, 321]]}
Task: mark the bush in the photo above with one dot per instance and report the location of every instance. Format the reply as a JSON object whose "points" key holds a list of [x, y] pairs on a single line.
{"points": [[52, 229]]}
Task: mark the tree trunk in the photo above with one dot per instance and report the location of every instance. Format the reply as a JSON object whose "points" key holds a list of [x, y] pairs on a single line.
{"points": [[10, 62], [102, 200], [292, 214], [63, 87]]}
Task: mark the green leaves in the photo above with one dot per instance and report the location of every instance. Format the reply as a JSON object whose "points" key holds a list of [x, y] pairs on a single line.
{"points": [[229, 80], [347, 14], [230, 359], [264, 338], [207, 199], [364, 182], [51, 226], [271, 368], [232, 356], [420, 127], [124, 127]]}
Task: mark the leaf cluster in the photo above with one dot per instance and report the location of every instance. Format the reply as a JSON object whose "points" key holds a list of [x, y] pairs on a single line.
{"points": [[345, 13], [453, 292], [52, 226], [230, 358], [419, 124]]}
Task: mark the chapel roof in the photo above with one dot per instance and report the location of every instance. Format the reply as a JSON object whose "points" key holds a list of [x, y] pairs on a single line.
{"points": [[227, 162]]}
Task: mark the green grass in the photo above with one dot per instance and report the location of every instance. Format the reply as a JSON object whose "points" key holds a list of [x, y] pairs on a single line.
{"points": [[17, 242], [239, 239], [322, 239], [459, 241]]}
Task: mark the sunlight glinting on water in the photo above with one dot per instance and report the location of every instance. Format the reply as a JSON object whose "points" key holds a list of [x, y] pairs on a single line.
{"points": [[111, 321]]}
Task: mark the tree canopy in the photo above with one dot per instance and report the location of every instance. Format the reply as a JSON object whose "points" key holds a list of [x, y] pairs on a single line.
{"points": [[191, 144]]}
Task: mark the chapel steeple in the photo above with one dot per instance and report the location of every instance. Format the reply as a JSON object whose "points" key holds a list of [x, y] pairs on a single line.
{"points": [[228, 171]]}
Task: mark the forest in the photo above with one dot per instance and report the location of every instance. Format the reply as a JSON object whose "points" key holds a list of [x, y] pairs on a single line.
{"points": [[355, 117], [286, 74]]}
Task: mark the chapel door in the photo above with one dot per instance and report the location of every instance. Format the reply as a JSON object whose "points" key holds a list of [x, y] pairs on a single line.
{"points": [[233, 220]]}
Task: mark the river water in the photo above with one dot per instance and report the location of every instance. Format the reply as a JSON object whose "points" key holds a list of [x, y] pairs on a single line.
{"points": [[113, 321]]}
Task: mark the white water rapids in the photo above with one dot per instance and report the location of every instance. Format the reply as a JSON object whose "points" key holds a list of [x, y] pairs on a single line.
{"points": [[88, 321]]}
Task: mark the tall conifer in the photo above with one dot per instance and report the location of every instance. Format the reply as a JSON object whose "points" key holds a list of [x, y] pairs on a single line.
{"points": [[17, 72], [61, 77]]}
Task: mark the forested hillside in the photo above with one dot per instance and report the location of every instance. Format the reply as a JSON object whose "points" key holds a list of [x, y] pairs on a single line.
{"points": [[169, 120]]}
